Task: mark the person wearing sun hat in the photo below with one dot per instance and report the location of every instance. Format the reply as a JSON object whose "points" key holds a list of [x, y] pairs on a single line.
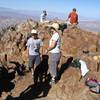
{"points": [[54, 52], [33, 47]]}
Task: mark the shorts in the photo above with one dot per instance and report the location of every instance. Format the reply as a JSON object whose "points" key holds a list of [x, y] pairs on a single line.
{"points": [[34, 59]]}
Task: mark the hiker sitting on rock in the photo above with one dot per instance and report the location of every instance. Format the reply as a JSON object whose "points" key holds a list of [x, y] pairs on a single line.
{"points": [[43, 17], [72, 18]]}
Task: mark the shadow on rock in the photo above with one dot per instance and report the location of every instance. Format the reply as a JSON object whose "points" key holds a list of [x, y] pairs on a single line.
{"points": [[65, 66], [38, 90], [40, 73], [19, 68], [41, 85], [5, 80]]}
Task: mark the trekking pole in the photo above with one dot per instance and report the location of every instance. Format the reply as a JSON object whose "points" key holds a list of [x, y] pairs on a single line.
{"points": [[98, 65], [6, 60], [80, 78]]}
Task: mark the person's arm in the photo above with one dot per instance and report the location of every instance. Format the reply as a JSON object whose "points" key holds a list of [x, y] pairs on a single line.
{"points": [[28, 51], [52, 46], [41, 18], [68, 17], [27, 45], [41, 47], [41, 50], [77, 19]]}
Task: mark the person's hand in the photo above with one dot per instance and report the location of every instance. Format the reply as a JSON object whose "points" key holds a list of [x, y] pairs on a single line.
{"points": [[41, 56], [46, 52]]}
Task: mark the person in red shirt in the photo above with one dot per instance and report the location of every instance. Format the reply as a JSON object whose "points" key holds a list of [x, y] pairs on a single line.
{"points": [[73, 17]]}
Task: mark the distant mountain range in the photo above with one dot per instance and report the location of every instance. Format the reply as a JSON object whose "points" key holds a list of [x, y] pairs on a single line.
{"points": [[92, 26], [23, 14], [11, 13], [10, 16]]}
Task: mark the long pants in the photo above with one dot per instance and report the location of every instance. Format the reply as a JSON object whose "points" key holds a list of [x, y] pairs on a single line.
{"points": [[54, 59]]}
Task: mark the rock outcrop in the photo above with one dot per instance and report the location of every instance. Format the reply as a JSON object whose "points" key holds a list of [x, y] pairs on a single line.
{"points": [[76, 43]]}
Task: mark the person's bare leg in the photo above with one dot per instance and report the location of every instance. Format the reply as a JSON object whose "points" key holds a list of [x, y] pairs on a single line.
{"points": [[32, 71]]}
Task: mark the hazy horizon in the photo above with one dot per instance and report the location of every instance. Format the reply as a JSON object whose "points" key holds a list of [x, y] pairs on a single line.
{"points": [[85, 8], [60, 15], [10, 16]]}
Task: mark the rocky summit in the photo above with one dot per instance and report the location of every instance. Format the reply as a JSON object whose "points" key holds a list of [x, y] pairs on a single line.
{"points": [[75, 43]]}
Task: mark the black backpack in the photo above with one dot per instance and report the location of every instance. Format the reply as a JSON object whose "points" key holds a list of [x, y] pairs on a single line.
{"points": [[76, 63]]}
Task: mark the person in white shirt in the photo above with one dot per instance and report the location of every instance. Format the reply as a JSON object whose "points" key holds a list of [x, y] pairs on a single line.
{"points": [[33, 48], [43, 16], [54, 52]]}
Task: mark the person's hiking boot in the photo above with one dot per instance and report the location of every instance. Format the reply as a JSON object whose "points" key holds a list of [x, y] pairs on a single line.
{"points": [[28, 69], [52, 82]]}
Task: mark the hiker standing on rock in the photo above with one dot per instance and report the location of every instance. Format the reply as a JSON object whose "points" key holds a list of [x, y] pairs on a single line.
{"points": [[54, 52], [72, 17], [33, 47]]}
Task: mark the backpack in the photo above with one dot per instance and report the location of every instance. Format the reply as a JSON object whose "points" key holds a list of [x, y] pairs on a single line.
{"points": [[76, 63], [91, 82], [94, 85]]}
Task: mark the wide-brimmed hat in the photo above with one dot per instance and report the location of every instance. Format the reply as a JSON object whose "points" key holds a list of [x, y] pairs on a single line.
{"points": [[55, 26], [33, 31]]}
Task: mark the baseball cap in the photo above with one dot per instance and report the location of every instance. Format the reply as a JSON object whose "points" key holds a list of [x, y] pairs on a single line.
{"points": [[33, 31]]}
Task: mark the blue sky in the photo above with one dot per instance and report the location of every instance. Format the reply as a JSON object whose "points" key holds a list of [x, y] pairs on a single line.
{"points": [[85, 8]]}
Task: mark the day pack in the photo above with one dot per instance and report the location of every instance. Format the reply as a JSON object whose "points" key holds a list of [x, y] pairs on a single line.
{"points": [[91, 82], [76, 63]]}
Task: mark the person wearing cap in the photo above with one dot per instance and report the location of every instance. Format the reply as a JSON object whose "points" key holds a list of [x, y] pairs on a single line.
{"points": [[54, 52], [73, 17], [33, 47], [43, 16]]}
